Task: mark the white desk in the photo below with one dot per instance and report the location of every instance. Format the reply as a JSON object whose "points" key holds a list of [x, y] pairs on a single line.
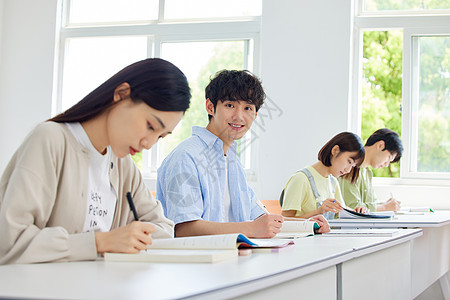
{"points": [[430, 253], [425, 220], [317, 266]]}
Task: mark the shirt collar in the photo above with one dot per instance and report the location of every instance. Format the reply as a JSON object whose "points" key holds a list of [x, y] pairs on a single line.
{"points": [[211, 139]]}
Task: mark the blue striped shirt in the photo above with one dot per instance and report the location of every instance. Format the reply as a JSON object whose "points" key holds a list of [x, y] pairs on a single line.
{"points": [[191, 182]]}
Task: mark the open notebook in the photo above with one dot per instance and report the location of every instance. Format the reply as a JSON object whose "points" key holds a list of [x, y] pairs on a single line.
{"points": [[206, 249], [296, 229], [350, 214]]}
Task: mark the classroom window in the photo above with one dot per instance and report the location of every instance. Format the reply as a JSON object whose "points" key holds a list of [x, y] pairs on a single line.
{"points": [[194, 9], [382, 87], [431, 100], [107, 54], [88, 12], [403, 83], [411, 5], [213, 35]]}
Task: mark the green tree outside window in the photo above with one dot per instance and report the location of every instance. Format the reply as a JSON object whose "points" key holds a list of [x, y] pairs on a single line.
{"points": [[382, 87], [382, 96]]}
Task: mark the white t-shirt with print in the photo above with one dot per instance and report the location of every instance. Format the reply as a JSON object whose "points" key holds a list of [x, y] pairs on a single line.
{"points": [[101, 197]]}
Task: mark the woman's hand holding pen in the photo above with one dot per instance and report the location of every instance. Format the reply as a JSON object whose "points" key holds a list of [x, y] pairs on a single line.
{"points": [[330, 205], [131, 238]]}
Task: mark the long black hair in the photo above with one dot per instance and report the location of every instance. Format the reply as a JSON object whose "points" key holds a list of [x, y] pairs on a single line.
{"points": [[155, 81]]}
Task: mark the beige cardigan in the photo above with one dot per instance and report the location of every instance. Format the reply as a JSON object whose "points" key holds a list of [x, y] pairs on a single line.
{"points": [[43, 199]]}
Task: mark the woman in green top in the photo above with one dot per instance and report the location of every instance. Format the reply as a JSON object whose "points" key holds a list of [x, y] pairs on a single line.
{"points": [[314, 190]]}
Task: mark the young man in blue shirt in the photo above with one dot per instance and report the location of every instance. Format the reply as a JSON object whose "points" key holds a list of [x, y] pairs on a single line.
{"points": [[201, 183]]}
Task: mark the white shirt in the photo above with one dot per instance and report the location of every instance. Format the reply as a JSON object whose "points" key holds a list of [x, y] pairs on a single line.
{"points": [[101, 197], [227, 200]]}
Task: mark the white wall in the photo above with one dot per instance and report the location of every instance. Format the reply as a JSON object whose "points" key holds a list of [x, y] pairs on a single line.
{"points": [[1, 32], [26, 75], [305, 69]]}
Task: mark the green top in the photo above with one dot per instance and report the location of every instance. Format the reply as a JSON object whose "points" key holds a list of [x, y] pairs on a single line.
{"points": [[299, 195], [361, 193]]}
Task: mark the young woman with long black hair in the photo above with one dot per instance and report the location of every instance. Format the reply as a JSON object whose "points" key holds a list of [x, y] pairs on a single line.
{"points": [[63, 194]]}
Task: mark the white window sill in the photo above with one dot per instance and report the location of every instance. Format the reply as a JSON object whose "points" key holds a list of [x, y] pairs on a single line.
{"points": [[410, 182]]}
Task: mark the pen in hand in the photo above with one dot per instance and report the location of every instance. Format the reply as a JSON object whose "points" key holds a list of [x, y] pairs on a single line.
{"points": [[133, 208], [260, 205], [131, 203]]}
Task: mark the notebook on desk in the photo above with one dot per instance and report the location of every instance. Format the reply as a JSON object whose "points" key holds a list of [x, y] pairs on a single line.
{"points": [[350, 214], [174, 255], [195, 249], [414, 210], [373, 232], [296, 229]]}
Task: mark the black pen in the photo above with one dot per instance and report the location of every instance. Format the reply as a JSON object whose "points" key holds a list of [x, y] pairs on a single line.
{"points": [[133, 209]]}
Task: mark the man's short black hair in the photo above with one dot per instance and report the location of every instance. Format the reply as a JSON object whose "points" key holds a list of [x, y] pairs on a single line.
{"points": [[235, 85], [392, 142]]}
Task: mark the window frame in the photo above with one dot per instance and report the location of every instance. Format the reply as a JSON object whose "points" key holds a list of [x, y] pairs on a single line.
{"points": [[406, 12], [411, 92], [413, 24], [161, 31]]}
